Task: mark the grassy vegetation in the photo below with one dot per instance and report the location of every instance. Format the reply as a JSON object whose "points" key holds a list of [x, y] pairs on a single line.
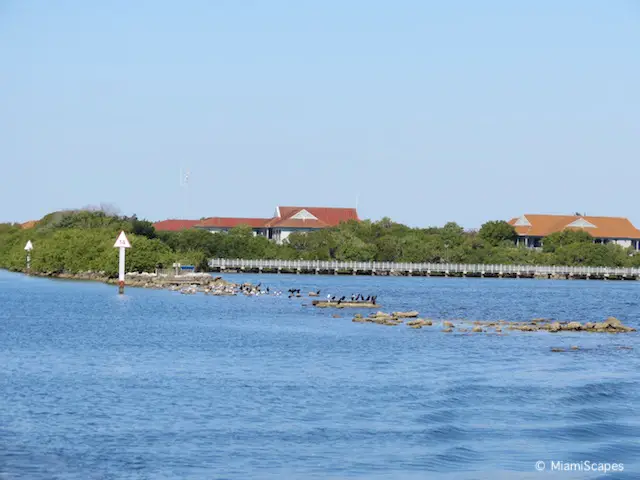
{"points": [[81, 241]]}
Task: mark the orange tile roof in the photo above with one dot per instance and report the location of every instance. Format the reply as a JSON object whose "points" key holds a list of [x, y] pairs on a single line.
{"points": [[230, 222], [326, 217], [174, 225], [605, 227]]}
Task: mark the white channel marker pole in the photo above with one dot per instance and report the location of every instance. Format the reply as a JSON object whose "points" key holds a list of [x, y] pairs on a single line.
{"points": [[28, 247], [122, 242]]}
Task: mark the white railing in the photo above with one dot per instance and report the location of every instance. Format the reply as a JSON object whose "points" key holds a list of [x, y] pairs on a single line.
{"points": [[313, 265]]}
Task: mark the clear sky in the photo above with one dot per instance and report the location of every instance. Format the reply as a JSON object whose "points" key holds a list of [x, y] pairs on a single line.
{"points": [[423, 111]]}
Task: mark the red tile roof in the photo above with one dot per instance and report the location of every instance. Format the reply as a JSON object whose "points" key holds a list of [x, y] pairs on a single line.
{"points": [[326, 217], [604, 227], [230, 222], [174, 225]]}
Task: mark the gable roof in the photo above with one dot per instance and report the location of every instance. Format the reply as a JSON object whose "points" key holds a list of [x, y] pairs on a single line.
{"points": [[230, 222], [598, 227], [173, 225], [324, 217]]}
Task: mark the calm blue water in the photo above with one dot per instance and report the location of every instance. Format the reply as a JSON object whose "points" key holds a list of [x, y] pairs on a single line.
{"points": [[154, 384]]}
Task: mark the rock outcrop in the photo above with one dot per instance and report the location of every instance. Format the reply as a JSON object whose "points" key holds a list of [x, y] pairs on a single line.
{"points": [[411, 314]]}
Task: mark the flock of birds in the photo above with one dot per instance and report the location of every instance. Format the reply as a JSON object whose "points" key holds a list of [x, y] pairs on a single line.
{"points": [[354, 298], [257, 290], [295, 292]]}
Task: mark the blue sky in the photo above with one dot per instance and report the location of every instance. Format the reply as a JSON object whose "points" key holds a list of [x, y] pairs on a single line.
{"points": [[423, 111]]}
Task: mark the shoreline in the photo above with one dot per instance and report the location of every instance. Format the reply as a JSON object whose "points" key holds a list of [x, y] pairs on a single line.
{"points": [[202, 279], [135, 280]]}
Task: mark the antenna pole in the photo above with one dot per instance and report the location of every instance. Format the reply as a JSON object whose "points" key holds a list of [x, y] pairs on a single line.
{"points": [[184, 184]]}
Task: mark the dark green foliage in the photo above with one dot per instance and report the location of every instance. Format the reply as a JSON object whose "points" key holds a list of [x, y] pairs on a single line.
{"points": [[143, 228], [496, 232], [565, 238]]}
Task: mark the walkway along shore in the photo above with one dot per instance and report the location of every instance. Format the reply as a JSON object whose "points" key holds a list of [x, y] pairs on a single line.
{"points": [[422, 269]]}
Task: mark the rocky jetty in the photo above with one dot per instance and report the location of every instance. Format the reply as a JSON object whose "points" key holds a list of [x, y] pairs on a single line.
{"points": [[610, 325], [154, 280]]}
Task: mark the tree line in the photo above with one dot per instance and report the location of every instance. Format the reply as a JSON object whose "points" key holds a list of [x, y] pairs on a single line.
{"points": [[82, 240]]}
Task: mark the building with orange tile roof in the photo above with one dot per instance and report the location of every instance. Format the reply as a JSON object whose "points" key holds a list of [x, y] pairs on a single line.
{"points": [[532, 228], [288, 220], [285, 221]]}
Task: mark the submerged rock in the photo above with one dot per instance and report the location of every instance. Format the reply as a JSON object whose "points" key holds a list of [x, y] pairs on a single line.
{"points": [[573, 326], [613, 322], [528, 328], [610, 325], [411, 314], [448, 330], [553, 327], [419, 321]]}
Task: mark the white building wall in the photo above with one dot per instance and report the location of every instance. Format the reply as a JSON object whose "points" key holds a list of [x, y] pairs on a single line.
{"points": [[284, 234], [221, 230], [281, 234], [623, 243]]}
